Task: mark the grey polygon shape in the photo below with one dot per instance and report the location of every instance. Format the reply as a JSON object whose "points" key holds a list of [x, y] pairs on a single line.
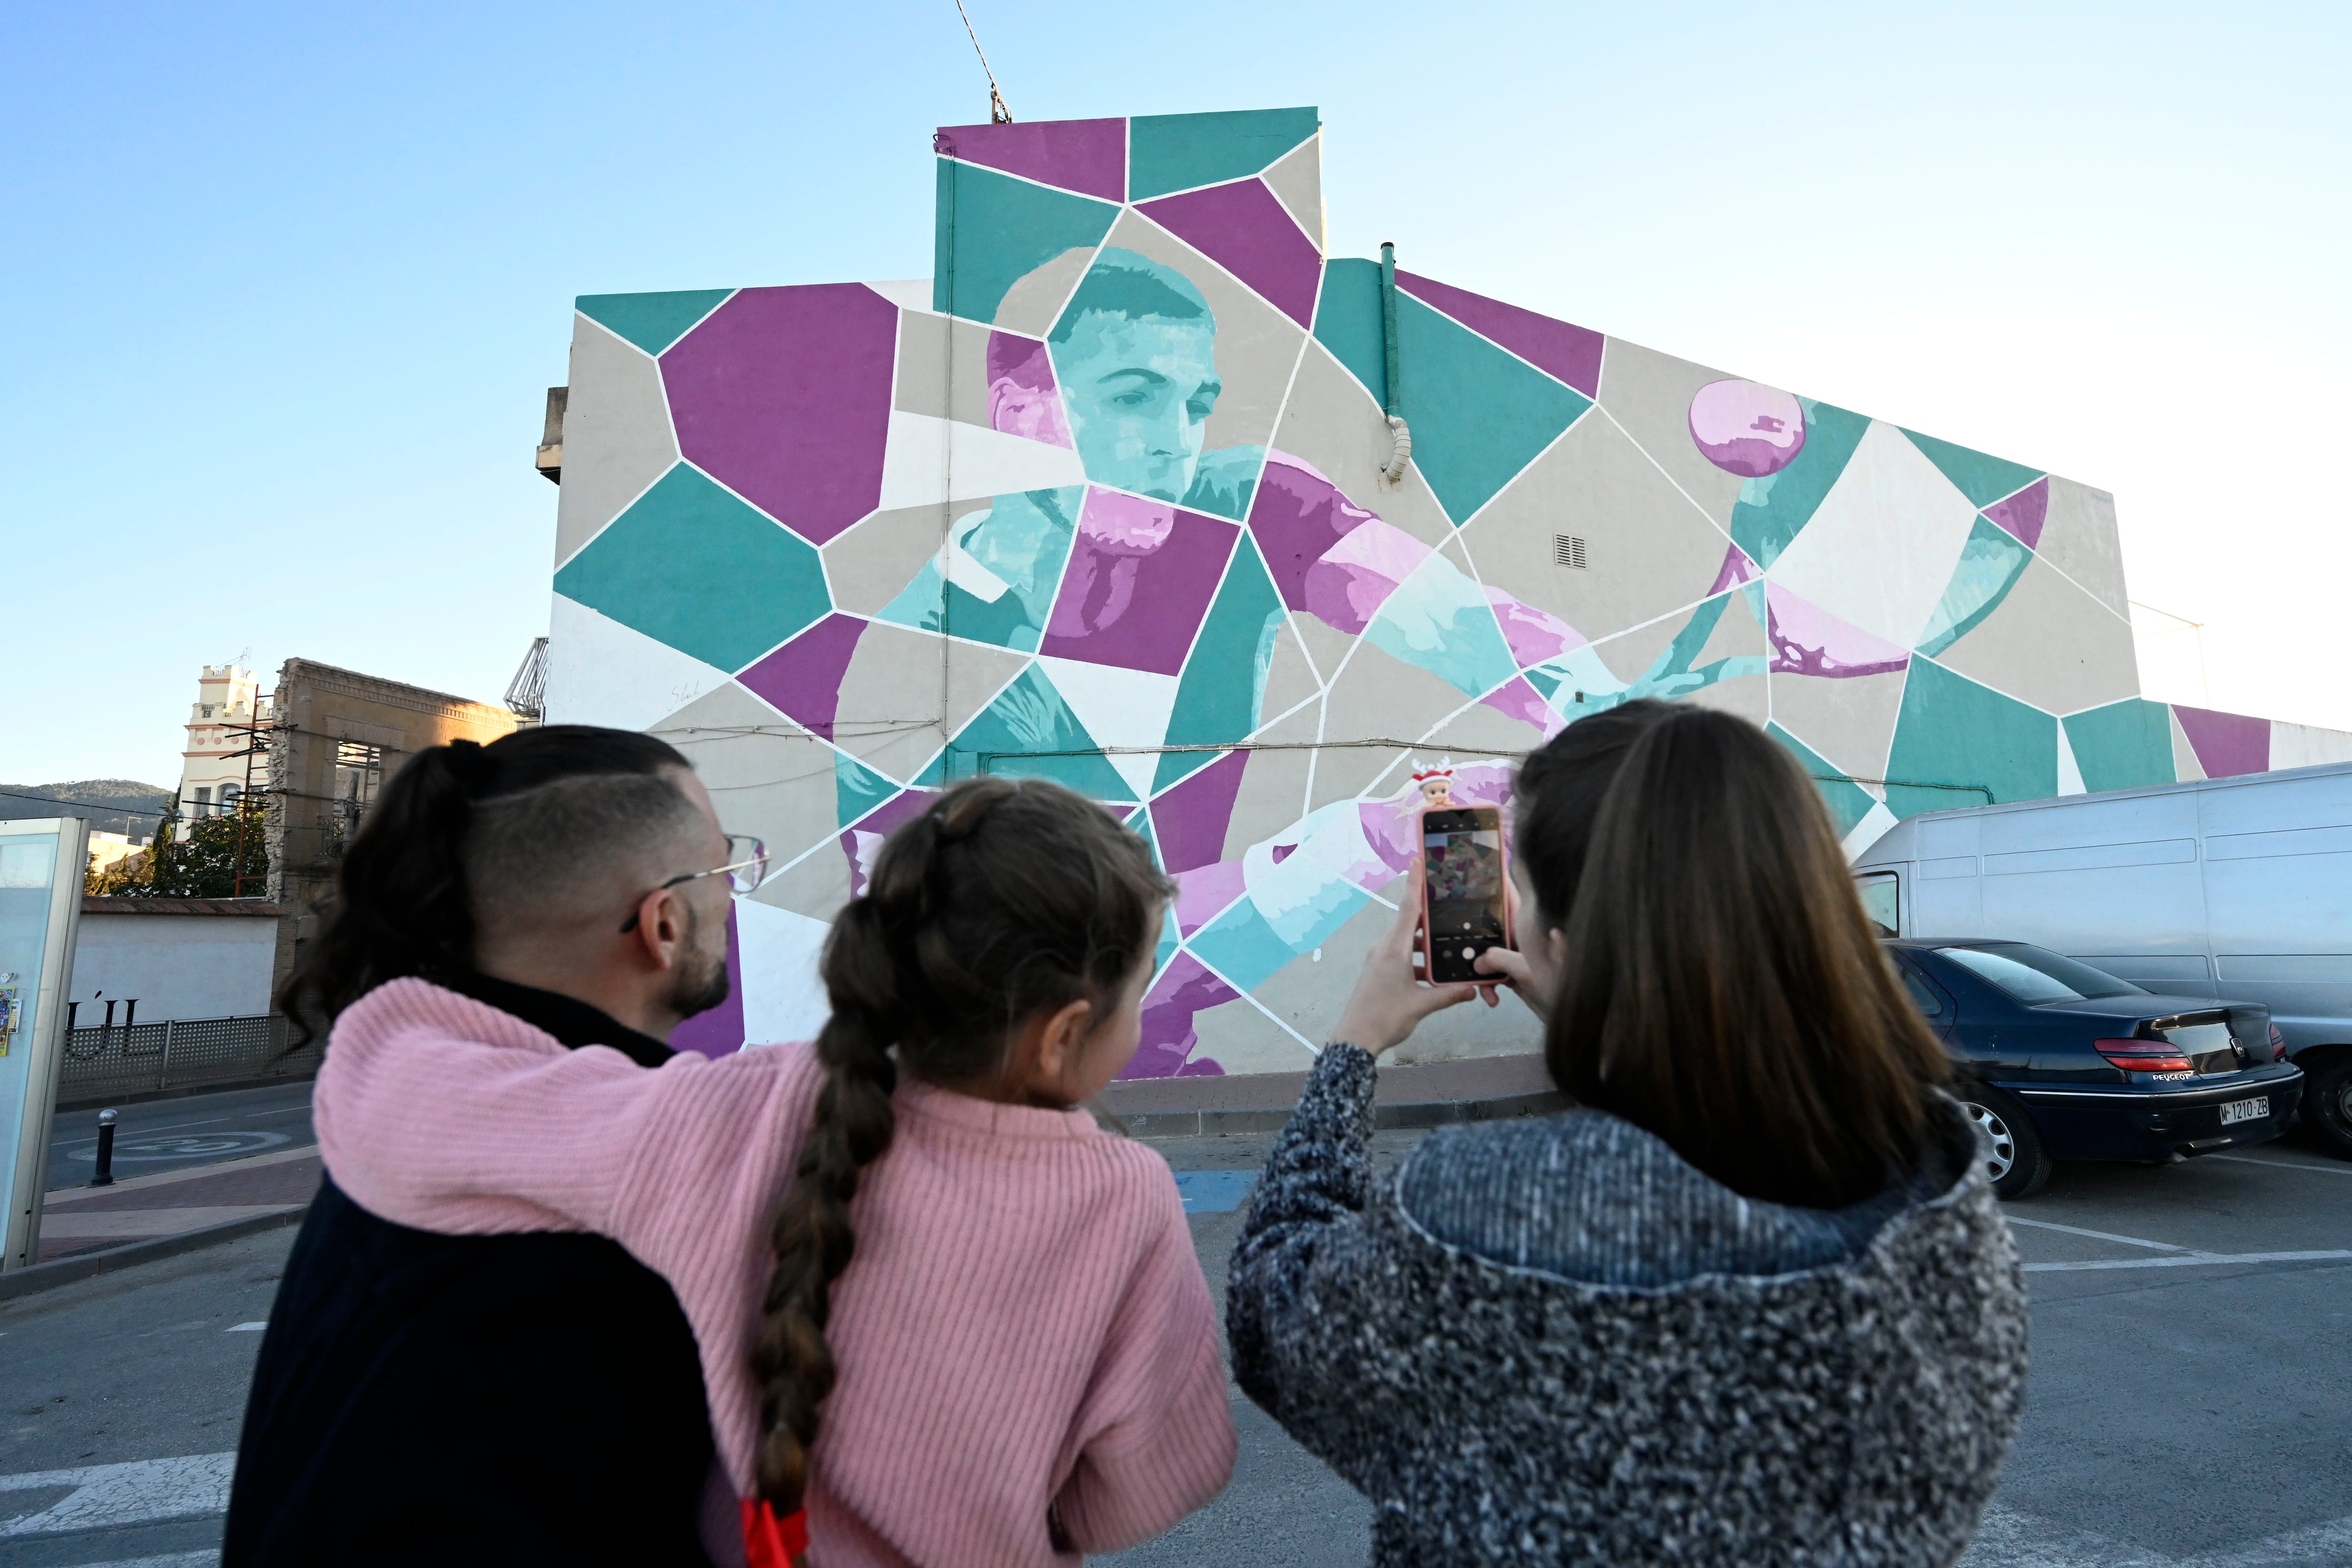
{"points": [[2079, 538], [942, 369], [617, 435], [1241, 1038], [1297, 181], [1650, 394], [2050, 645], [1034, 302], [1649, 549], [1849, 720], [872, 564], [767, 776], [1378, 696], [1748, 695], [1333, 422], [2186, 764]]}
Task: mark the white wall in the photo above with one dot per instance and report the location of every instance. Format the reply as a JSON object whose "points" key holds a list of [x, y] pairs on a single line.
{"points": [[177, 966]]}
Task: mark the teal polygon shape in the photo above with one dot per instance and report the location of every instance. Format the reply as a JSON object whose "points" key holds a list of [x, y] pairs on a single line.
{"points": [[652, 321], [994, 230], [1478, 414], [1970, 740], [1171, 939], [1443, 622], [1177, 151], [1771, 509], [1029, 732], [857, 788], [1990, 563], [1983, 479], [1222, 688], [1241, 947], [2122, 746], [690, 565], [1348, 322], [1848, 801]]}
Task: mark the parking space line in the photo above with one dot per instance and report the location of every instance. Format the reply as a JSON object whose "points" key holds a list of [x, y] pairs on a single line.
{"points": [[110, 1496], [2101, 1235], [2186, 1260], [2284, 1164]]}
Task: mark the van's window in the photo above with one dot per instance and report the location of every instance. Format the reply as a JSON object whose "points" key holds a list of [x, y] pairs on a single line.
{"points": [[1881, 900], [2036, 974]]}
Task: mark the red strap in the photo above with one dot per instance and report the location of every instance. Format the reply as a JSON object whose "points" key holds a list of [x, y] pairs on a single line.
{"points": [[769, 1542]]}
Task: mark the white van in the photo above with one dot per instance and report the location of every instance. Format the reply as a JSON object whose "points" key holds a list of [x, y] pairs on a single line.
{"points": [[2237, 889]]}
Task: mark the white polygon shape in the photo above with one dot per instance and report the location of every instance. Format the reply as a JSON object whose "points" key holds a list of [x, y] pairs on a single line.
{"points": [[783, 999], [1879, 550], [906, 293], [1866, 832], [930, 460], [1118, 706], [600, 672], [2307, 745], [2070, 772]]}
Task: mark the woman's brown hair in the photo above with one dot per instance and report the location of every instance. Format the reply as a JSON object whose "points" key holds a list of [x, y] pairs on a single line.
{"points": [[1722, 987], [1003, 900]]}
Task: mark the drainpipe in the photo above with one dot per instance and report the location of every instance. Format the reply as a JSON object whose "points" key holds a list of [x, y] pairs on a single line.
{"points": [[1401, 435]]}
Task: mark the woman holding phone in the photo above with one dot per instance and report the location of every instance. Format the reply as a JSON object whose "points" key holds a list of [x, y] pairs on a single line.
{"points": [[1749, 1301]]}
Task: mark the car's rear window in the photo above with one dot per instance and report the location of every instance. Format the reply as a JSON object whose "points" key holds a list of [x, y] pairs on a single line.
{"points": [[2037, 975]]}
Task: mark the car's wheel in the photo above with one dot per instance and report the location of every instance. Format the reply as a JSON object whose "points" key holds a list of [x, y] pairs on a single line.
{"points": [[2016, 1163], [2327, 1103]]}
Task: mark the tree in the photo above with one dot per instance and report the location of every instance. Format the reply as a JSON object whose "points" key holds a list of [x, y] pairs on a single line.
{"points": [[205, 863]]}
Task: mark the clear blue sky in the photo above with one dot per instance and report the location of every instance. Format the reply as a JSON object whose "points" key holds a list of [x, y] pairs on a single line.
{"points": [[288, 281]]}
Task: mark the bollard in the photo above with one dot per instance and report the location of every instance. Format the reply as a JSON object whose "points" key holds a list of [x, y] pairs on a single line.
{"points": [[104, 1175]]}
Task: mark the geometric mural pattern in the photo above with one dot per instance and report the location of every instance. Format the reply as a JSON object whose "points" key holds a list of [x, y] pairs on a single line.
{"points": [[1102, 501]]}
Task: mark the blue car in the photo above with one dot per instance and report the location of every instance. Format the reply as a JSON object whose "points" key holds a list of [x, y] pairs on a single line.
{"points": [[2058, 1061]]}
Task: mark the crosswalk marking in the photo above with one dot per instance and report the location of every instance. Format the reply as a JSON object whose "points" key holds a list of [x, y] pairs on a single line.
{"points": [[138, 1492]]}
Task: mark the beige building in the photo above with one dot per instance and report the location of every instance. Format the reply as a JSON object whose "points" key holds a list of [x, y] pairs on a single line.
{"points": [[216, 765], [336, 737]]}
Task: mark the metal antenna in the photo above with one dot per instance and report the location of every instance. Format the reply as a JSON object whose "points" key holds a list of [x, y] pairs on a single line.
{"points": [[997, 113]]}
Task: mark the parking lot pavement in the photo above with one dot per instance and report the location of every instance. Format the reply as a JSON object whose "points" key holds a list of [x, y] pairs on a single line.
{"points": [[2195, 1413], [172, 1135], [2189, 1404]]}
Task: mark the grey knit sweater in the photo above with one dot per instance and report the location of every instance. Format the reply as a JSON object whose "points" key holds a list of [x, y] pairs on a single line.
{"points": [[1555, 1342]]}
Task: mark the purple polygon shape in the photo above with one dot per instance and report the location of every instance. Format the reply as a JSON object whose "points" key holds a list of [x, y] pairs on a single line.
{"points": [[720, 1032], [783, 396], [1245, 230], [1139, 580], [1297, 516], [1089, 156], [1570, 353], [2226, 744], [1184, 988], [803, 678], [878, 822], [2022, 516], [1191, 816]]}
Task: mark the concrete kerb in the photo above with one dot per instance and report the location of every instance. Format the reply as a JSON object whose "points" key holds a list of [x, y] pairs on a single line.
{"points": [[19, 1282]]}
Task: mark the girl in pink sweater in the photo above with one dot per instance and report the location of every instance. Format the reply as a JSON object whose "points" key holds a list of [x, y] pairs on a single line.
{"points": [[942, 1318]]}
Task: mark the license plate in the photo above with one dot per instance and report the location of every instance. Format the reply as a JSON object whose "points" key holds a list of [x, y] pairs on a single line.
{"points": [[2238, 1111]]}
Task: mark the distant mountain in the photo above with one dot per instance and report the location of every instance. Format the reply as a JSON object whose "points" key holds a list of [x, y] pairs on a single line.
{"points": [[111, 805]]}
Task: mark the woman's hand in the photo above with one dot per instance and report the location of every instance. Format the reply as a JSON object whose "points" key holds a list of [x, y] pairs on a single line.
{"points": [[1391, 999]]}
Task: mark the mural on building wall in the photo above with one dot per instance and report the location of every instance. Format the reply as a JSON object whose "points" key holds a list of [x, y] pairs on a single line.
{"points": [[1101, 500]]}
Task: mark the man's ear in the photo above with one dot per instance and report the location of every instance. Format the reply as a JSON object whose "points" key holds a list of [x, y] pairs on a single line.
{"points": [[1031, 412], [662, 926]]}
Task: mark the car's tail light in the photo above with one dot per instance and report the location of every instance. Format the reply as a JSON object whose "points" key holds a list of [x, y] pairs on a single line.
{"points": [[2144, 1055], [2278, 1045]]}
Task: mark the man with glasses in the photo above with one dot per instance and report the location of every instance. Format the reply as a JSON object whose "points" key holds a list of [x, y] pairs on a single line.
{"points": [[515, 1398]]}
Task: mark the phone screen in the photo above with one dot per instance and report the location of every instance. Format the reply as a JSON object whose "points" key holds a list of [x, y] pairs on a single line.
{"points": [[1461, 855]]}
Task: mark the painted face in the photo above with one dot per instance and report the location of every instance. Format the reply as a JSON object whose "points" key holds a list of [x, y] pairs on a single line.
{"points": [[1137, 394]]}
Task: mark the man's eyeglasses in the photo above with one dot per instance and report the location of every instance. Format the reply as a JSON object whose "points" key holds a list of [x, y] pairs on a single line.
{"points": [[746, 868]]}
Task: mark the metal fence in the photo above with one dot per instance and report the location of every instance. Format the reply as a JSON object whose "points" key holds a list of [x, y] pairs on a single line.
{"points": [[140, 1058]]}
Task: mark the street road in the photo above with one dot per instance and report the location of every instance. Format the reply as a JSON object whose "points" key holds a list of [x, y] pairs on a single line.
{"points": [[2190, 1403], [171, 1134]]}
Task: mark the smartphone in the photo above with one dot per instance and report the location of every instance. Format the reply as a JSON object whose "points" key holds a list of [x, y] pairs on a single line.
{"points": [[1462, 911]]}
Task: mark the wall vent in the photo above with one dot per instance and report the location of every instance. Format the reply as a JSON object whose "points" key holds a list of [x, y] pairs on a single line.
{"points": [[1568, 550]]}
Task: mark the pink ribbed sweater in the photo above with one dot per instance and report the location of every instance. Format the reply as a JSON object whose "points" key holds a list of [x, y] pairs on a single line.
{"points": [[1023, 1322]]}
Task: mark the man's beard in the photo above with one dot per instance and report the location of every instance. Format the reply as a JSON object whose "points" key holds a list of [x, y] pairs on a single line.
{"points": [[699, 989]]}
